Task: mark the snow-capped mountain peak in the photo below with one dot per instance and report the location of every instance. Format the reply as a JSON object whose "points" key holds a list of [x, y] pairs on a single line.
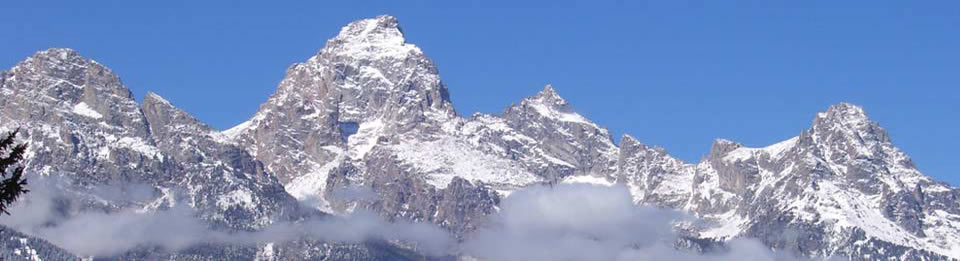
{"points": [[61, 56], [846, 112], [549, 95], [374, 38], [850, 122], [548, 104]]}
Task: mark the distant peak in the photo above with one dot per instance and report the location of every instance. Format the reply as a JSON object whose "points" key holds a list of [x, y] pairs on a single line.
{"points": [[550, 105], [549, 96]]}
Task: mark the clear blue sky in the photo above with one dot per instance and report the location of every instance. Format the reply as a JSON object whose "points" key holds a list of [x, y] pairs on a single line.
{"points": [[676, 74]]}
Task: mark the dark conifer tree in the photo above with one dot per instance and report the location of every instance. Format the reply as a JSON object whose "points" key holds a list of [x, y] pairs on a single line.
{"points": [[13, 184]]}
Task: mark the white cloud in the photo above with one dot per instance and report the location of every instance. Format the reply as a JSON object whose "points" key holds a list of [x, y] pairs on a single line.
{"points": [[589, 222], [43, 213], [563, 222]]}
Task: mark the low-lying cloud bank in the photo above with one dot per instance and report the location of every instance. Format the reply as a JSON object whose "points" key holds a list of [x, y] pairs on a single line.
{"points": [[99, 233], [590, 222], [563, 222]]}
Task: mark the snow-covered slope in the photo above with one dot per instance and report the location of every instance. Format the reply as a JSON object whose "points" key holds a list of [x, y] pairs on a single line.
{"points": [[840, 188]]}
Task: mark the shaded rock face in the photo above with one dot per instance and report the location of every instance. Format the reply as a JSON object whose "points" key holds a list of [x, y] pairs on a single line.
{"points": [[367, 123], [254, 195], [70, 108]]}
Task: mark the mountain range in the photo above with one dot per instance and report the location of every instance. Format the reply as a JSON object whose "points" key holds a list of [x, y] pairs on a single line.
{"points": [[367, 124]]}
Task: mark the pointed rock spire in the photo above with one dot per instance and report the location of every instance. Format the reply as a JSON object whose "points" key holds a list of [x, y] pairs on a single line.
{"points": [[161, 113], [548, 104], [153, 97], [549, 97], [548, 91], [846, 114], [164, 117], [848, 121]]}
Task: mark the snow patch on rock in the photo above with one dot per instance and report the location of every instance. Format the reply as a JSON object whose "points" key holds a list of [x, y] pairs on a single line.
{"points": [[84, 110]]}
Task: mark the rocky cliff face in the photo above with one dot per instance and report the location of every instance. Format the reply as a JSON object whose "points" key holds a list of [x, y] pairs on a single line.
{"points": [[368, 124], [83, 124], [84, 127]]}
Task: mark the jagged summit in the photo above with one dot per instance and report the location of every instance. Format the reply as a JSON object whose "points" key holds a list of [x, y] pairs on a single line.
{"points": [[549, 96], [847, 114], [58, 52], [59, 83], [372, 29], [844, 116], [548, 91], [65, 66], [846, 108], [61, 62], [374, 38], [548, 104], [849, 123]]}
